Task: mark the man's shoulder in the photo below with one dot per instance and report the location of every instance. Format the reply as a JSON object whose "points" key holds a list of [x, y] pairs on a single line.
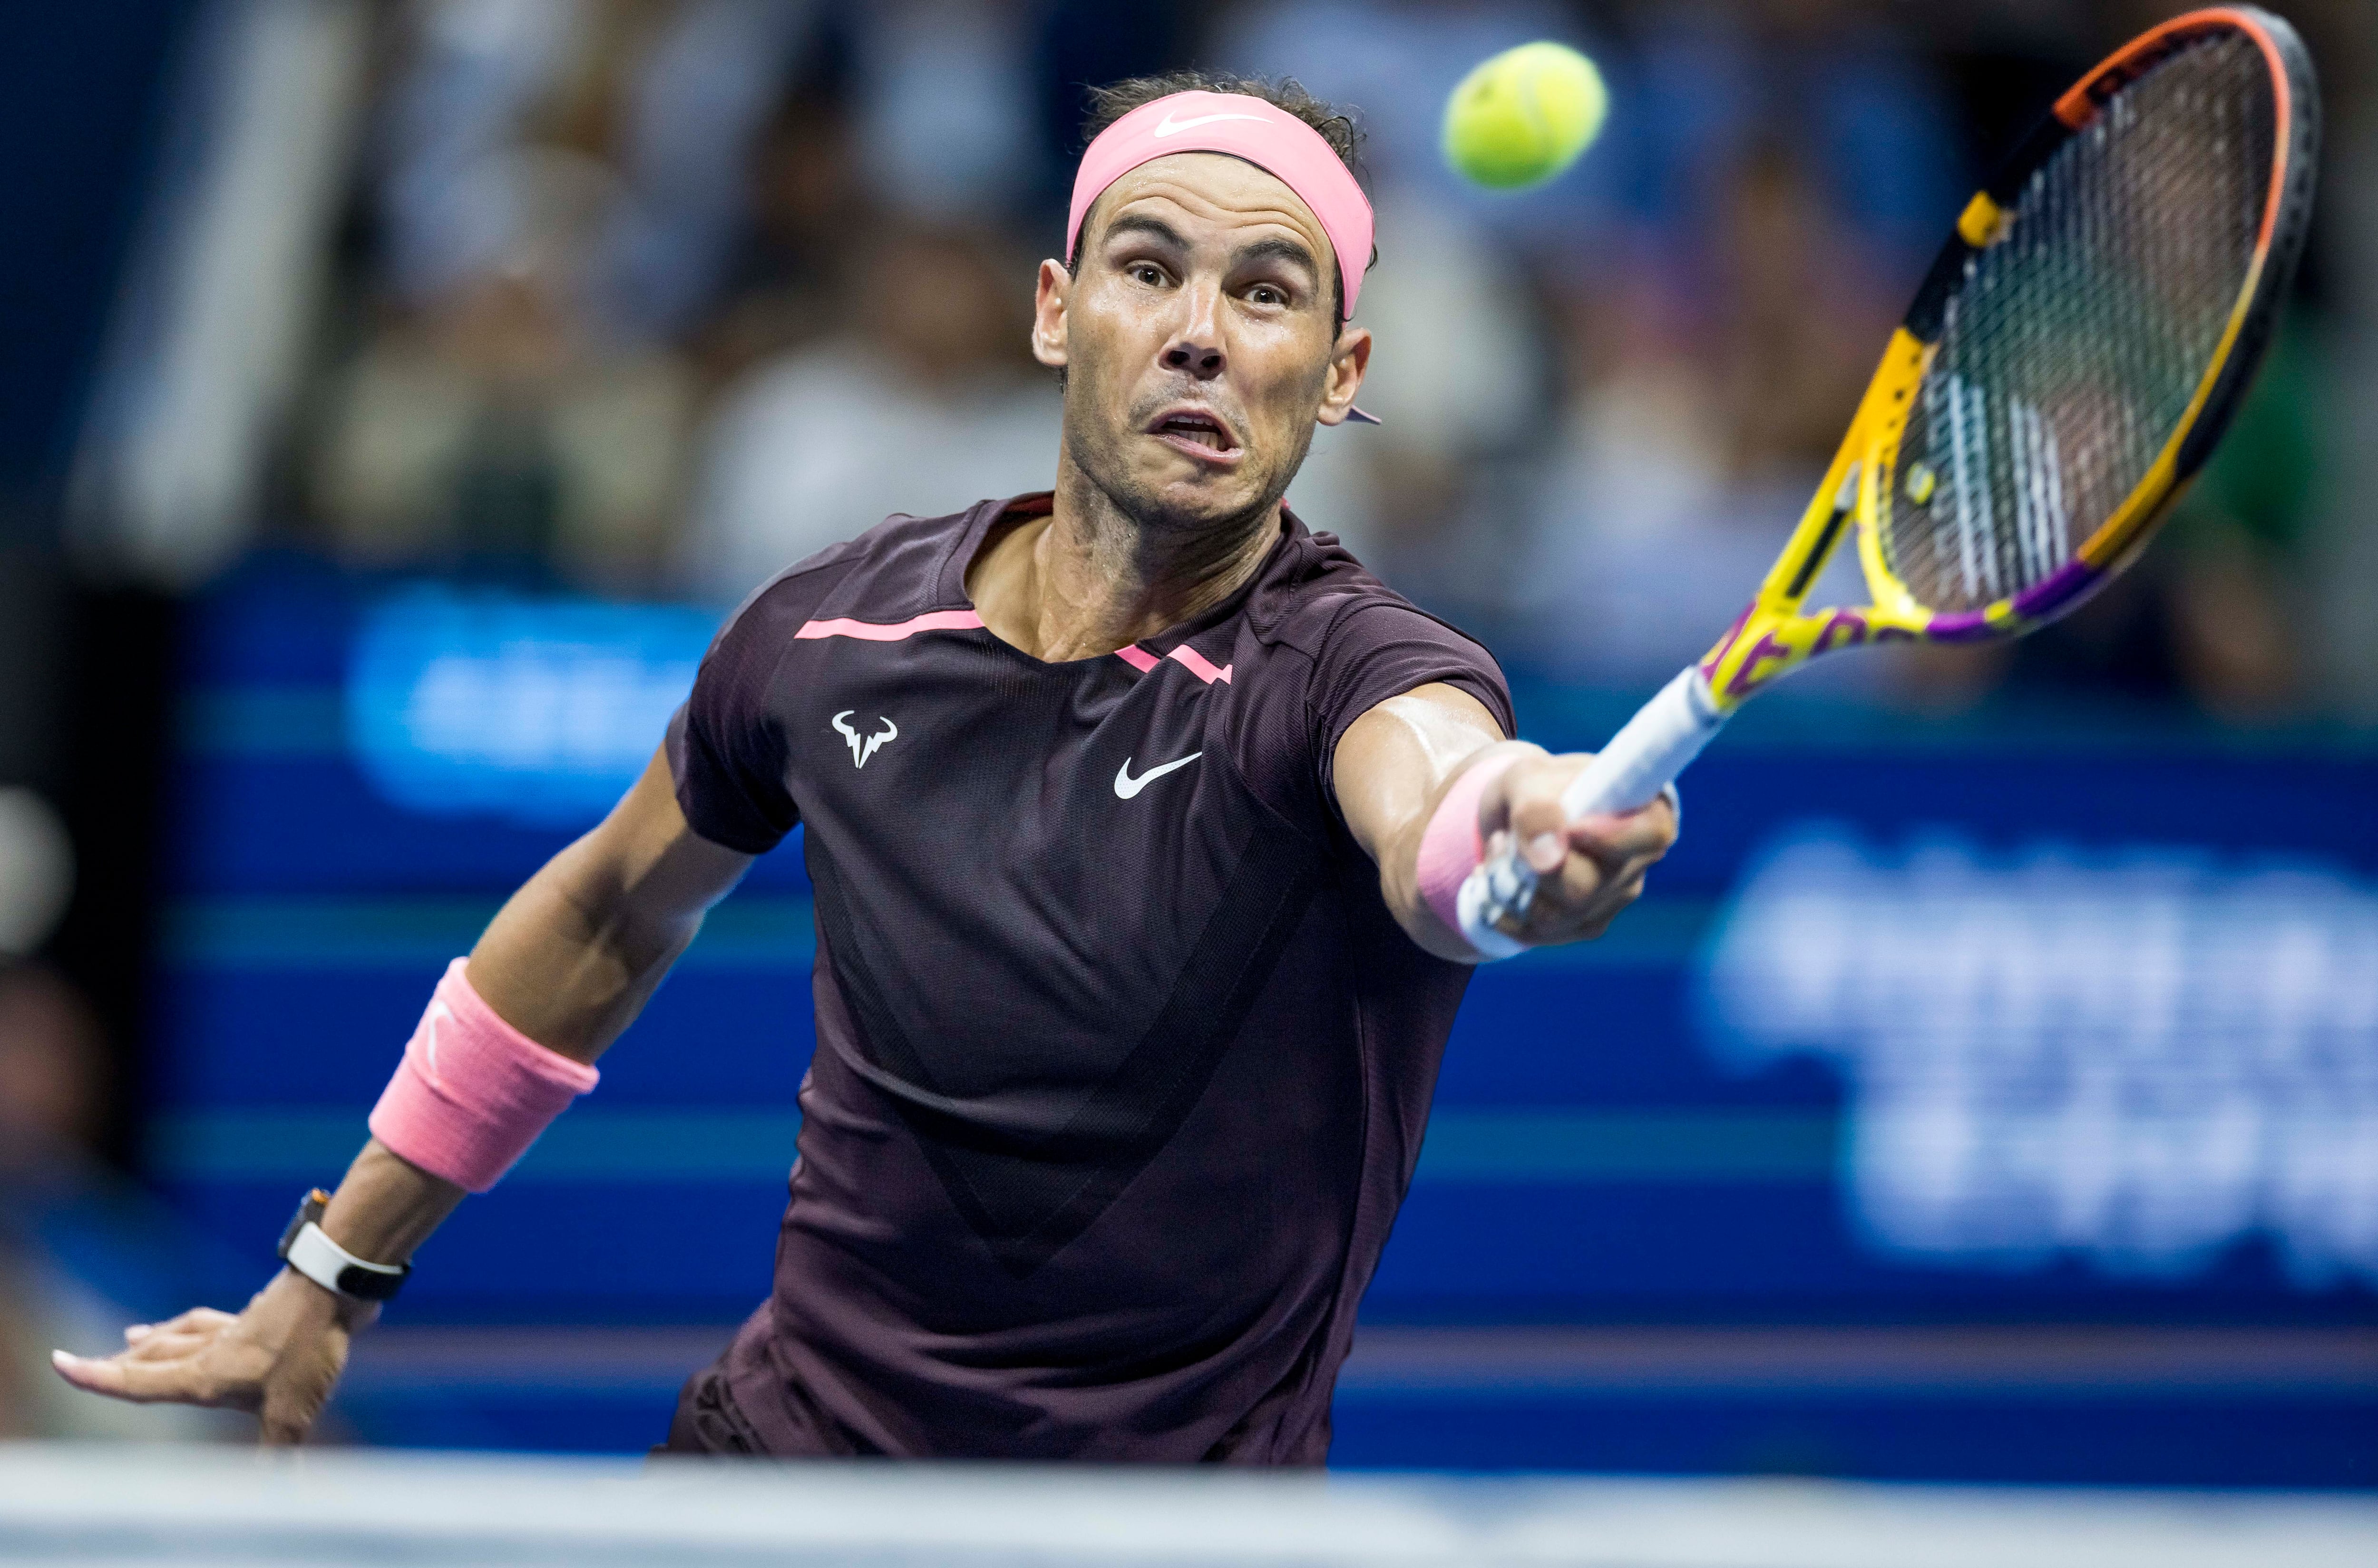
{"points": [[901, 567], [1318, 595]]}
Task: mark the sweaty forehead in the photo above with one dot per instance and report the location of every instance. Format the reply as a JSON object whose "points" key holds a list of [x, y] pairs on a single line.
{"points": [[1213, 188]]}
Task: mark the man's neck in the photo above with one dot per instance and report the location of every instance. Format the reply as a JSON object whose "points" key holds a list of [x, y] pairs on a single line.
{"points": [[1089, 579]]}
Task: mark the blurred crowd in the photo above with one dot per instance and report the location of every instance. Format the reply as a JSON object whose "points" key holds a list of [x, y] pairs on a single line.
{"points": [[655, 296], [81, 1254]]}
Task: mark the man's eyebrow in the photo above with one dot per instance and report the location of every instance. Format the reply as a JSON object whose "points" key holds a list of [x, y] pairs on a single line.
{"points": [[1154, 228], [1283, 250]]}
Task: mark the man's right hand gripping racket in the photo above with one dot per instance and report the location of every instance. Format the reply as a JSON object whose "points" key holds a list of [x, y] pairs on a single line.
{"points": [[2070, 362]]}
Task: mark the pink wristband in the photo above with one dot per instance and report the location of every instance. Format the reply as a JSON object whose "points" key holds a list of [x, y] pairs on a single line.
{"points": [[1452, 847], [473, 1092]]}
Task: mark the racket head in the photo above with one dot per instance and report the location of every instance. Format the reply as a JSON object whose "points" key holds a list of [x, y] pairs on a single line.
{"points": [[2072, 357]]}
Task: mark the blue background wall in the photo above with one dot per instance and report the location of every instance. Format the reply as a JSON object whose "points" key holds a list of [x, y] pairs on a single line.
{"points": [[1592, 1166]]}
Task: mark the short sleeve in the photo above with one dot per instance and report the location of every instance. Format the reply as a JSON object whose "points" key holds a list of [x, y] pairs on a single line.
{"points": [[726, 747], [1385, 648]]}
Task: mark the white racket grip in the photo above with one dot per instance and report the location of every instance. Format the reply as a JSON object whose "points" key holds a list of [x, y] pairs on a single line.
{"points": [[1641, 760], [1644, 759]]}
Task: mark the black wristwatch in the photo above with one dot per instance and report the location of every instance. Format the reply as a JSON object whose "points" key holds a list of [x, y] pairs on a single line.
{"points": [[332, 1267]]}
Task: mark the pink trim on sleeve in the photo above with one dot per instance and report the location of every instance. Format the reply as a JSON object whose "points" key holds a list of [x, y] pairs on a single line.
{"points": [[1452, 846], [473, 1093], [1139, 658]]}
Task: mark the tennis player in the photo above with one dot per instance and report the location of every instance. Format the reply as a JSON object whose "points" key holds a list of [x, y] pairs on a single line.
{"points": [[1136, 813]]}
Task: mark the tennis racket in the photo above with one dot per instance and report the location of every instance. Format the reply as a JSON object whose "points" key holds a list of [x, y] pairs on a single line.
{"points": [[2069, 363]]}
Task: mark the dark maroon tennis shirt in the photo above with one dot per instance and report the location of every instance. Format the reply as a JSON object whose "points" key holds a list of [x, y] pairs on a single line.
{"points": [[1122, 1063]]}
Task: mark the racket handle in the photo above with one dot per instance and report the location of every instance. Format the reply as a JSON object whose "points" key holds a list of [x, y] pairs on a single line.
{"points": [[1644, 759], [1641, 760]]}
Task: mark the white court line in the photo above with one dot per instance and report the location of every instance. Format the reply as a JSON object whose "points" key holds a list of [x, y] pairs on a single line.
{"points": [[88, 1503]]}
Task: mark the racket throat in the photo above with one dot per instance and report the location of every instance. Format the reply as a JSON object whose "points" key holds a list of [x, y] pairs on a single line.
{"points": [[1829, 537]]}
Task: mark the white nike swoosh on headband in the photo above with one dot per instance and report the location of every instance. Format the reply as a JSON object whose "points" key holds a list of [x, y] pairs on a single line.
{"points": [[1169, 126]]}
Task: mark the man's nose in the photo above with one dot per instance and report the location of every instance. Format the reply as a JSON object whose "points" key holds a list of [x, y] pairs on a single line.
{"points": [[1196, 345], [1194, 353]]}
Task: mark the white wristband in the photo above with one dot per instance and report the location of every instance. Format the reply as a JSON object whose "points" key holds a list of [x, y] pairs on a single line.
{"points": [[339, 1271]]}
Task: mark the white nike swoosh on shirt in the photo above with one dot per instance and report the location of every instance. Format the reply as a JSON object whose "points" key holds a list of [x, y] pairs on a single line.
{"points": [[1127, 787], [1171, 127]]}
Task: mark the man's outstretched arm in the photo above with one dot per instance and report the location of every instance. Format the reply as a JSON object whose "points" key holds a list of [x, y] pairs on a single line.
{"points": [[569, 961], [1398, 764]]}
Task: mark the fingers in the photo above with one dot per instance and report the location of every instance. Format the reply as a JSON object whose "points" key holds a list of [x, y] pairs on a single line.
{"points": [[162, 1345], [1638, 837], [1581, 902], [1532, 815], [196, 1319], [284, 1422], [298, 1389], [280, 1358], [1529, 809], [204, 1317], [190, 1359], [288, 1413], [179, 1381], [1588, 870]]}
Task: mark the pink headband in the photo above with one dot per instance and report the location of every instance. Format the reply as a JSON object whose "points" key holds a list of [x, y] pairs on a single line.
{"points": [[1270, 138]]}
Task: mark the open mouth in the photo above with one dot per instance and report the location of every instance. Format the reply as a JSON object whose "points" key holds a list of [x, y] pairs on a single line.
{"points": [[1198, 430]]}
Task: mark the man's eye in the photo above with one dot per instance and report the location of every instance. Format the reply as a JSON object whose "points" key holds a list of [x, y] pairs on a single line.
{"points": [[1266, 294], [1143, 272]]}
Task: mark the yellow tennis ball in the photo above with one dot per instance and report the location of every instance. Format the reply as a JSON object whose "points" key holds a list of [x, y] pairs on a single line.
{"points": [[1524, 116]]}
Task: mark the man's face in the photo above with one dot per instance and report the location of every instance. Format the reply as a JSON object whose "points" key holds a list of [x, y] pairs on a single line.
{"points": [[1200, 341]]}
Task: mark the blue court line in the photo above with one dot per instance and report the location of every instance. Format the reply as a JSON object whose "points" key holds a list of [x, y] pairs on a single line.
{"points": [[597, 1145], [300, 721], [751, 932], [747, 932], [1457, 1366], [1588, 1147], [587, 1146]]}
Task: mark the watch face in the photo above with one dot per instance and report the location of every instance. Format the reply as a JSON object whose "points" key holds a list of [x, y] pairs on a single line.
{"points": [[309, 1211]]}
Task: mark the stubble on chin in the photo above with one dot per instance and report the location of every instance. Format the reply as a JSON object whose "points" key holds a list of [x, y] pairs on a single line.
{"points": [[1101, 453]]}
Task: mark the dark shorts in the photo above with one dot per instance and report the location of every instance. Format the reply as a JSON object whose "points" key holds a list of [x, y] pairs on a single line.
{"points": [[712, 1421], [748, 1403], [708, 1421]]}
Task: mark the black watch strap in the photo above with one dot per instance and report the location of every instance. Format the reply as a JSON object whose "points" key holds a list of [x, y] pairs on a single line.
{"points": [[332, 1267]]}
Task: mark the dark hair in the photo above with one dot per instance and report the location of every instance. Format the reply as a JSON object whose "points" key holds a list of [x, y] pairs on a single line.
{"points": [[1336, 125]]}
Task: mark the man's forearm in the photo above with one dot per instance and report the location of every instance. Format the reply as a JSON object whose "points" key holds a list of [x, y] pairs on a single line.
{"points": [[558, 974], [571, 977], [385, 1207], [568, 961]]}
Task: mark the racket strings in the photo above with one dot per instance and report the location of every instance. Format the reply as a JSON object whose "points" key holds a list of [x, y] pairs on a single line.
{"points": [[2072, 353]]}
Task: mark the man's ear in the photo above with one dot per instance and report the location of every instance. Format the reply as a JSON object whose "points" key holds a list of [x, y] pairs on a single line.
{"points": [[1348, 362], [1052, 293]]}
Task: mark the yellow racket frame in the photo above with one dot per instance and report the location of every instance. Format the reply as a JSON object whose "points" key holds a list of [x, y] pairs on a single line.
{"points": [[1773, 636]]}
